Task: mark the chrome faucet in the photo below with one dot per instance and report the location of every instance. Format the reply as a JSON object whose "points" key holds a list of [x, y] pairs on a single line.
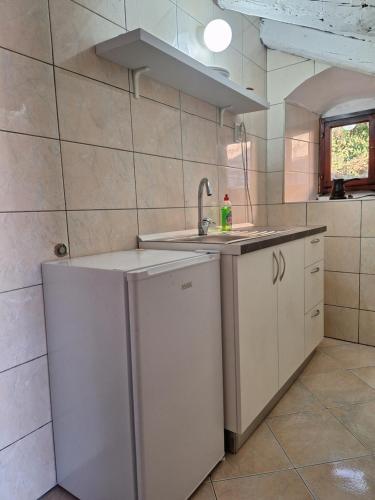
{"points": [[203, 223]]}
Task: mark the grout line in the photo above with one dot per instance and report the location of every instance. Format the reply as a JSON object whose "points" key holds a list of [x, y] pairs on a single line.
{"points": [[359, 280], [133, 153], [100, 15], [26, 435], [24, 363], [306, 485]]}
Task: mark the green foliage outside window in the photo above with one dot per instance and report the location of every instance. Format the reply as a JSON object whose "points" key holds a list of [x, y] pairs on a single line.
{"points": [[350, 151]]}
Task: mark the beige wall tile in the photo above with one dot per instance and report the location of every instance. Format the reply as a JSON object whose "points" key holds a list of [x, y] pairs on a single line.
{"points": [[275, 181], [368, 255], [229, 152], [256, 123], [258, 187], [163, 135], [276, 121], [341, 289], [20, 109], [191, 214], [341, 323], [97, 178], [259, 215], [24, 27], [281, 82], [193, 173], [197, 107], [92, 112], [27, 240], [189, 38], [30, 173], [202, 11], [101, 231], [111, 9], [160, 181], [240, 214], [368, 218], [25, 403], [342, 218], [199, 139], [32, 458], [75, 32], [367, 327], [161, 220], [277, 59], [342, 254], [292, 214], [297, 156], [252, 46], [232, 60], [295, 187], [275, 155], [231, 182], [258, 153], [159, 18], [22, 333], [158, 92], [254, 77], [367, 292], [301, 124], [313, 186]]}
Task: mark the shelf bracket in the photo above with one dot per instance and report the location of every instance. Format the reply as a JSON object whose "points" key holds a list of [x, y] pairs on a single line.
{"points": [[221, 114], [136, 73]]}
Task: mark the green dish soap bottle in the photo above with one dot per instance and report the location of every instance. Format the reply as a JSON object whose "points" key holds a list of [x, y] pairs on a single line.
{"points": [[226, 214]]}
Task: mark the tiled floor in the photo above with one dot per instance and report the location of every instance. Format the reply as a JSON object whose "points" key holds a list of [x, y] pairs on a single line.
{"points": [[318, 442]]}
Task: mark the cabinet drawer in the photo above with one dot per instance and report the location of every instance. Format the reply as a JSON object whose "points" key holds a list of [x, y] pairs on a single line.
{"points": [[314, 285], [314, 328], [314, 249]]}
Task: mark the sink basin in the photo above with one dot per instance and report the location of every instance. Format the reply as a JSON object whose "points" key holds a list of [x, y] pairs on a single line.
{"points": [[231, 237]]}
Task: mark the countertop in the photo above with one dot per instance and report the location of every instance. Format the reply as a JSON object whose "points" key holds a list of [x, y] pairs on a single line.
{"points": [[284, 235]]}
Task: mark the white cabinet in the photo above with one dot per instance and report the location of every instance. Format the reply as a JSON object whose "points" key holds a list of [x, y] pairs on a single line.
{"points": [[257, 355], [290, 308], [271, 323]]}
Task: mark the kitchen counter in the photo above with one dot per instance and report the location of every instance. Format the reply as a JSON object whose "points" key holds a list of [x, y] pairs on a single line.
{"points": [[253, 238]]}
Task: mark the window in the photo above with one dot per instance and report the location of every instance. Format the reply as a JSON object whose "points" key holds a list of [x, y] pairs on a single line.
{"points": [[347, 150]]}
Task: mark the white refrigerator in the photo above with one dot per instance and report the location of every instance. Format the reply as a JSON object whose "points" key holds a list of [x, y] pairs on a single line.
{"points": [[135, 361]]}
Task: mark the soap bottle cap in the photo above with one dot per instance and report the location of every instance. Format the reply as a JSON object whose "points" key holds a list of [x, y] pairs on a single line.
{"points": [[226, 198]]}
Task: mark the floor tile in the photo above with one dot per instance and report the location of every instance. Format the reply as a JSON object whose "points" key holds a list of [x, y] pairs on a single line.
{"points": [[329, 342], [284, 485], [314, 437], [367, 374], [261, 453], [342, 480], [297, 399], [360, 420], [58, 493], [351, 355], [204, 492], [321, 363], [338, 388]]}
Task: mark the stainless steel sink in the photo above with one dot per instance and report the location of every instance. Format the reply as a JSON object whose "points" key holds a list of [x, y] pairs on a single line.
{"points": [[231, 237]]}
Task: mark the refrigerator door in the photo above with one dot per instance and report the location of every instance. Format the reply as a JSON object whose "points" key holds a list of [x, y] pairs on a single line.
{"points": [[175, 330]]}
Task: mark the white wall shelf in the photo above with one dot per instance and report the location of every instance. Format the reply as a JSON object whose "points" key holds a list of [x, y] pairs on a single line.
{"points": [[140, 51]]}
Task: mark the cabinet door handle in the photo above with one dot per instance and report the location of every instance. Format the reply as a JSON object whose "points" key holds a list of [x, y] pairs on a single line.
{"points": [[315, 240], [315, 313], [274, 279], [284, 265], [315, 270]]}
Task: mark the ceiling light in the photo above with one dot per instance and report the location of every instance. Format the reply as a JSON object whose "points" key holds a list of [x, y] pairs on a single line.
{"points": [[217, 35]]}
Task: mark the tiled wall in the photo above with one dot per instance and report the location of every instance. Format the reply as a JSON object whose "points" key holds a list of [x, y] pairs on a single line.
{"points": [[350, 241], [83, 162]]}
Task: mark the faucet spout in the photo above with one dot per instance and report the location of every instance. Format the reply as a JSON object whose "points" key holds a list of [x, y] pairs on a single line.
{"points": [[204, 183]]}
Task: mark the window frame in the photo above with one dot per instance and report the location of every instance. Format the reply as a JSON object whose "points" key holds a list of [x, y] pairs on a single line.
{"points": [[325, 183]]}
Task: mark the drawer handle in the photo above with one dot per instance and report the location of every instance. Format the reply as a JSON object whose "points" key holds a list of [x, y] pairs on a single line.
{"points": [[315, 270], [315, 240], [275, 260], [284, 264], [315, 313]]}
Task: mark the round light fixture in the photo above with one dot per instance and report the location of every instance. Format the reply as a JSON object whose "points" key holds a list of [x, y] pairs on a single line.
{"points": [[217, 35]]}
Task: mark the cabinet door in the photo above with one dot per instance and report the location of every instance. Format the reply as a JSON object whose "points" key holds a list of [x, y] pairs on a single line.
{"points": [[257, 358], [291, 309]]}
